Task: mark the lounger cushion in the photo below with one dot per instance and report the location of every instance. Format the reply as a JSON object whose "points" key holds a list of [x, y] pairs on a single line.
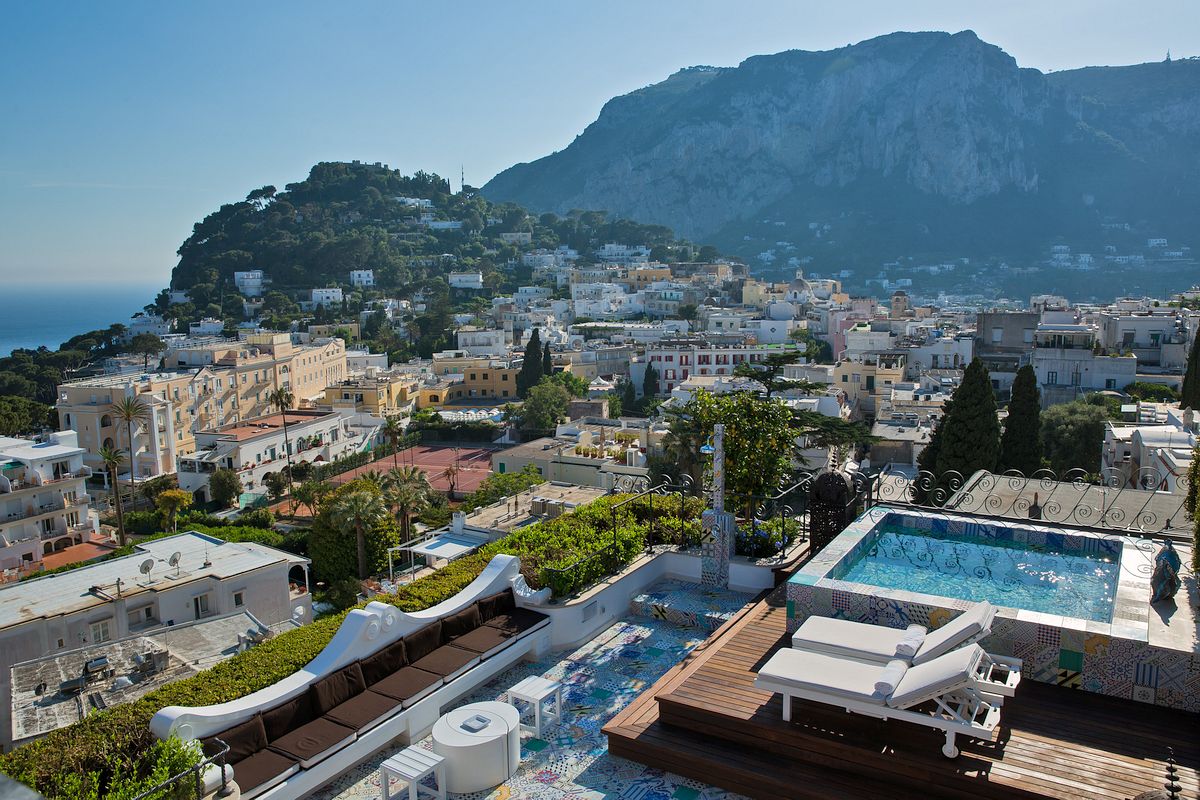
{"points": [[843, 637], [244, 740], [335, 689], [972, 624], [421, 643], [464, 621], [287, 717], [309, 743], [262, 770], [807, 674], [497, 604], [408, 684], [447, 661], [517, 621], [378, 666], [483, 640], [943, 674], [363, 710]]}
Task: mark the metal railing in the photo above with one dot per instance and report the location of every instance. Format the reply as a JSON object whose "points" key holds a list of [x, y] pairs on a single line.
{"points": [[196, 773]]}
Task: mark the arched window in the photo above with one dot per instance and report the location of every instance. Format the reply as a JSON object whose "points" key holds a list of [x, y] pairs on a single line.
{"points": [[108, 442], [106, 421]]}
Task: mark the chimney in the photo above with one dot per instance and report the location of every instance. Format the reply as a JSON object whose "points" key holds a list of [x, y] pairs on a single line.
{"points": [[458, 521]]}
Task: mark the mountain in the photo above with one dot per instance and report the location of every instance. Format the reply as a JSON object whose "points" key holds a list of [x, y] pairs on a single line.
{"points": [[908, 145]]}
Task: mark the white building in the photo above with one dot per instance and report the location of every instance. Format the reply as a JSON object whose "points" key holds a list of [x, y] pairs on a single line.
{"points": [[466, 280], [209, 326], [676, 361], [362, 277], [1067, 364], [43, 499], [483, 342], [148, 323], [250, 283], [623, 254], [259, 446], [444, 224], [325, 297], [1155, 452], [358, 361]]}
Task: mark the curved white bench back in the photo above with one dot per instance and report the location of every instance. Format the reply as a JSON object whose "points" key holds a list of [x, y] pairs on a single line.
{"points": [[363, 632]]}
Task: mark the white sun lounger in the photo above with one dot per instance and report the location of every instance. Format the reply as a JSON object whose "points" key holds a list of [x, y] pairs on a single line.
{"points": [[878, 643], [965, 700]]}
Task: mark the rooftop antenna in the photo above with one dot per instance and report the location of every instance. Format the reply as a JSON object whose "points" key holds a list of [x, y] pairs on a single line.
{"points": [[462, 174], [145, 568], [174, 561], [207, 561]]}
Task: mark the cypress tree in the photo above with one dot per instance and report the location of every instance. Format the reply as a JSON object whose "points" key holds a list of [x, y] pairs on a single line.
{"points": [[650, 382], [547, 362], [970, 435], [1021, 444], [531, 366], [1190, 396]]}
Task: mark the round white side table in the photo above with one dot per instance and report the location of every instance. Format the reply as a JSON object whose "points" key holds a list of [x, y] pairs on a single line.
{"points": [[478, 760]]}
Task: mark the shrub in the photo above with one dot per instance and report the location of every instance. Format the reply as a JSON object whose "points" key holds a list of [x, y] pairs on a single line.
{"points": [[333, 551], [767, 539], [143, 523], [225, 486], [258, 518]]}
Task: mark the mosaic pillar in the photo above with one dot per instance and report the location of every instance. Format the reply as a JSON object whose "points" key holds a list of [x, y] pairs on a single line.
{"points": [[718, 525]]}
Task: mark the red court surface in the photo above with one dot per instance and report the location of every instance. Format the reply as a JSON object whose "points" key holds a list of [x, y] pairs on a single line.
{"points": [[474, 465]]}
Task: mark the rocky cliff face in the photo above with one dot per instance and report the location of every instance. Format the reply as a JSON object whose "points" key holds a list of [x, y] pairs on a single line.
{"points": [[902, 128]]}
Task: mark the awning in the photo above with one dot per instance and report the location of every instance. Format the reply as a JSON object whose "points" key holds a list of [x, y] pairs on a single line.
{"points": [[449, 545]]}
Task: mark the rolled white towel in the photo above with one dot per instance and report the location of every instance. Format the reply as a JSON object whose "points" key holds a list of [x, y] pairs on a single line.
{"points": [[914, 635], [885, 684]]}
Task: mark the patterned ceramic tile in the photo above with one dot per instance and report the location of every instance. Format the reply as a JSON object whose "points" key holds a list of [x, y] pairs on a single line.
{"points": [[571, 761]]}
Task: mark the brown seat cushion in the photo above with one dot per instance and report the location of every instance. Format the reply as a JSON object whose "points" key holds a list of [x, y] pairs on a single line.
{"points": [[308, 742], [335, 689], [421, 643], [407, 684], [244, 740], [482, 640], [260, 768], [287, 717], [363, 709], [446, 661], [496, 604], [378, 666], [517, 621], [464, 621]]}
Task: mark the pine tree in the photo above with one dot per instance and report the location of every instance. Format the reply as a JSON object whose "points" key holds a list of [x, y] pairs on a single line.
{"points": [[1021, 444], [970, 435], [1190, 396], [547, 362], [531, 366]]}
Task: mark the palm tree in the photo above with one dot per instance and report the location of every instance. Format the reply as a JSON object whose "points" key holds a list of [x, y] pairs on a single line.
{"points": [[393, 430], [373, 477], [282, 400], [310, 493], [130, 410], [112, 459], [359, 511], [450, 473], [407, 491]]}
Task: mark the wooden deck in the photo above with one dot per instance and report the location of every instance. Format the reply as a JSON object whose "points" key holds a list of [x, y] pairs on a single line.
{"points": [[705, 720]]}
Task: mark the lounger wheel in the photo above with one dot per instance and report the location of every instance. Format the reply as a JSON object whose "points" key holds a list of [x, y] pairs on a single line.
{"points": [[948, 749]]}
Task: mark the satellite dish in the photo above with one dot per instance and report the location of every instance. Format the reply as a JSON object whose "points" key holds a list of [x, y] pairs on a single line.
{"points": [[146, 566], [174, 559]]}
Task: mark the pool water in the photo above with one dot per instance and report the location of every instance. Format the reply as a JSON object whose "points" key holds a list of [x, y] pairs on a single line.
{"points": [[1006, 573]]}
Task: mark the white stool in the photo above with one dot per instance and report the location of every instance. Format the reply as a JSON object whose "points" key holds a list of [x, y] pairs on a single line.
{"points": [[537, 690], [411, 765]]}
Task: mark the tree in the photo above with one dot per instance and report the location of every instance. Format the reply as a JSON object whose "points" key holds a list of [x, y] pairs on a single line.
{"points": [[311, 494], [544, 406], [688, 313], [112, 458], [575, 385], [225, 487], [1189, 397], [170, 502], [1151, 392], [1073, 436], [970, 435], [547, 361], [649, 382], [130, 410], [358, 512], [1021, 444], [282, 400], [276, 483], [769, 372], [815, 350], [393, 431], [406, 490], [531, 365], [20, 415], [146, 345], [628, 394], [500, 485]]}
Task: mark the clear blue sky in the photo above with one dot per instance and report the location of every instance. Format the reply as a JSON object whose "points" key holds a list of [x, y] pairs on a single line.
{"points": [[121, 124]]}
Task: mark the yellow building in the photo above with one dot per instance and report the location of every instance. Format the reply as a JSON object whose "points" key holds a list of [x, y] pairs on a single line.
{"points": [[868, 381], [382, 395], [325, 331]]}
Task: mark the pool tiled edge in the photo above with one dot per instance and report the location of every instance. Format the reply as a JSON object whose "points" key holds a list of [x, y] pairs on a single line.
{"points": [[1114, 658]]}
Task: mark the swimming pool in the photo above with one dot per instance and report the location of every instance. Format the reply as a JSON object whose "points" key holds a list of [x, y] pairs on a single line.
{"points": [[1055, 577]]}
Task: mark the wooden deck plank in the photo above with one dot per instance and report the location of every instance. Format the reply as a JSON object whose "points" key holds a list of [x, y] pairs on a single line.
{"points": [[1052, 742]]}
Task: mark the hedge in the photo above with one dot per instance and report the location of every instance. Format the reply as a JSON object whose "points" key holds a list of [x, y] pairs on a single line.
{"points": [[101, 755]]}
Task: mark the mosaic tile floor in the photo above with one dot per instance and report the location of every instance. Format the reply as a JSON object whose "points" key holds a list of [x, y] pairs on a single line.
{"points": [[689, 604], [572, 762]]}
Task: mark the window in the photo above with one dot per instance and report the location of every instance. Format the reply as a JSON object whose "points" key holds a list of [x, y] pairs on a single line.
{"points": [[101, 631], [200, 606], [1110, 383], [845, 379], [1027, 335], [61, 644], [239, 599], [1052, 377], [997, 335]]}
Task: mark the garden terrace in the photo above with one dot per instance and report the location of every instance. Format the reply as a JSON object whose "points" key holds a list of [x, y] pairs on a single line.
{"points": [[707, 721]]}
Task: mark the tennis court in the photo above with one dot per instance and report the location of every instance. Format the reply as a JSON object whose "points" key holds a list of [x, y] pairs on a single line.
{"points": [[474, 464]]}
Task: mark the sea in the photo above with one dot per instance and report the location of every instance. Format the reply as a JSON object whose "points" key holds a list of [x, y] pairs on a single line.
{"points": [[34, 315]]}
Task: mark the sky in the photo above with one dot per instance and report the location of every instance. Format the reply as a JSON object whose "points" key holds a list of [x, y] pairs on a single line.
{"points": [[122, 124]]}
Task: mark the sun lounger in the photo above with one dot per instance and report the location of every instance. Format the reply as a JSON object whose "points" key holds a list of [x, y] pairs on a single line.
{"points": [[958, 691], [880, 644]]}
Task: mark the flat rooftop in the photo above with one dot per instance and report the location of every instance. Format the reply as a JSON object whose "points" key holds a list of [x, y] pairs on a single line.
{"points": [[249, 429], [186, 649], [200, 557], [519, 509]]}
